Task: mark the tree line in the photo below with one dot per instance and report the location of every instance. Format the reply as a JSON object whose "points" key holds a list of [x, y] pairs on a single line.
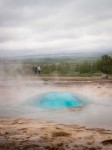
{"points": [[102, 65]]}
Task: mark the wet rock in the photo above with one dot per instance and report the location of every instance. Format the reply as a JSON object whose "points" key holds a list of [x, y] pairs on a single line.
{"points": [[3, 132], [107, 142], [60, 133]]}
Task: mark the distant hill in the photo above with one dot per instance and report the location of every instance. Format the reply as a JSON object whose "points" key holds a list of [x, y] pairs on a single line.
{"points": [[54, 58], [65, 57]]}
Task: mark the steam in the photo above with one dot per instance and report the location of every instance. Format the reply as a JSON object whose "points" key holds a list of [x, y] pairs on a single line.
{"points": [[16, 90]]}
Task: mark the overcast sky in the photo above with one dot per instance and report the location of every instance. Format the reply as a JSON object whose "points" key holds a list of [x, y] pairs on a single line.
{"points": [[47, 26]]}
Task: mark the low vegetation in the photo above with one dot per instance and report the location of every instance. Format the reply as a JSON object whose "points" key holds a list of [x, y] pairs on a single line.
{"points": [[84, 68]]}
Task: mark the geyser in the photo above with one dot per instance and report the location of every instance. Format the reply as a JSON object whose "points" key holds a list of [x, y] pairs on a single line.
{"points": [[56, 100]]}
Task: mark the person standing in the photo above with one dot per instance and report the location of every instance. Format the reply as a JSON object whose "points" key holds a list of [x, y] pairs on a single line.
{"points": [[35, 69], [39, 69]]}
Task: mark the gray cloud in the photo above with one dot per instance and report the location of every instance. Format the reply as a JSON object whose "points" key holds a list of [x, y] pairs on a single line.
{"points": [[43, 25]]}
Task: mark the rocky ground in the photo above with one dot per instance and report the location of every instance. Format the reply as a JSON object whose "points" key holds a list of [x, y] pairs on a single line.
{"points": [[25, 134]]}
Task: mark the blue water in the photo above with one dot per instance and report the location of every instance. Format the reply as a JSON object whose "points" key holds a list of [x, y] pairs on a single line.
{"points": [[56, 100]]}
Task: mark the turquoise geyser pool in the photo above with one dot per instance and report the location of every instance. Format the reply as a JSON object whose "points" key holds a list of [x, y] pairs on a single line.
{"points": [[56, 100]]}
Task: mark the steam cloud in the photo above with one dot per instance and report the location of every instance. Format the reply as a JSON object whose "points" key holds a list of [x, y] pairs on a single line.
{"points": [[16, 91]]}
